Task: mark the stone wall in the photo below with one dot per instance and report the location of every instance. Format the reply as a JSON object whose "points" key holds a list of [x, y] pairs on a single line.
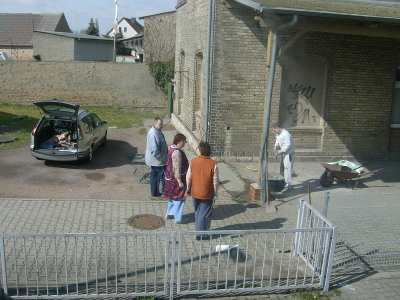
{"points": [[18, 53], [159, 37], [126, 85]]}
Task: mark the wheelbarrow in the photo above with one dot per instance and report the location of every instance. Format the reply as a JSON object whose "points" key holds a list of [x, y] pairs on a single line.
{"points": [[339, 173]]}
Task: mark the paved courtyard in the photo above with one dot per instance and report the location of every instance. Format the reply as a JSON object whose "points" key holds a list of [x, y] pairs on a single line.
{"points": [[234, 211]]}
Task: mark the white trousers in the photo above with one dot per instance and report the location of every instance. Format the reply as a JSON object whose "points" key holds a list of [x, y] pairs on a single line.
{"points": [[286, 167]]}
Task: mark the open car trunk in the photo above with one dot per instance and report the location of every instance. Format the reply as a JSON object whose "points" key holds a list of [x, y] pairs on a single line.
{"points": [[56, 138]]}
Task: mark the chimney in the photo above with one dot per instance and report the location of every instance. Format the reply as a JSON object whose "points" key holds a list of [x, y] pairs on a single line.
{"points": [[133, 20]]}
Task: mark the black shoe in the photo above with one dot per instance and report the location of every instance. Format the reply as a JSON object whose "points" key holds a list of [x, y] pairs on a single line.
{"points": [[158, 195]]}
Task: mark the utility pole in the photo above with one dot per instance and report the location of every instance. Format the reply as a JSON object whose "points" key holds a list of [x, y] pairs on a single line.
{"points": [[115, 28]]}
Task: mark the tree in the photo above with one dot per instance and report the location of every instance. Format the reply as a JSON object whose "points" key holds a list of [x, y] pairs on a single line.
{"points": [[92, 29], [120, 47]]}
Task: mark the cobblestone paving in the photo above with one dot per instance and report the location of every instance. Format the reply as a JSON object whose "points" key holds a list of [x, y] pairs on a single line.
{"points": [[72, 216], [101, 216]]}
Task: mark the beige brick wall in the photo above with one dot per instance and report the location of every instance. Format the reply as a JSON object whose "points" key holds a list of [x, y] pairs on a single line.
{"points": [[358, 94], [191, 37], [125, 85]]}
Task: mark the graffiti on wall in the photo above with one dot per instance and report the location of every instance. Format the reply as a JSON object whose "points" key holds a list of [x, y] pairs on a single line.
{"points": [[305, 92], [300, 108], [302, 91]]}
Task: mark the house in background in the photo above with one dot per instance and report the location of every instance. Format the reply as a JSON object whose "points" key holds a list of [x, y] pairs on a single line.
{"points": [[159, 36], [135, 44], [333, 85], [63, 46], [127, 27], [16, 31]]}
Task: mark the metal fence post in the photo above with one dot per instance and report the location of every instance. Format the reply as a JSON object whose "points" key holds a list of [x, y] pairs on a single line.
{"points": [[172, 279], [331, 252], [325, 210], [3, 264], [299, 225], [169, 102]]}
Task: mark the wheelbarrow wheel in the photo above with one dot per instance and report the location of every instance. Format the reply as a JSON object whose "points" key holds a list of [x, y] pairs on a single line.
{"points": [[325, 181]]}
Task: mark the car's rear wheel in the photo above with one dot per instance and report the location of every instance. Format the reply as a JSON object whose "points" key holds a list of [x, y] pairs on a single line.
{"points": [[89, 157]]}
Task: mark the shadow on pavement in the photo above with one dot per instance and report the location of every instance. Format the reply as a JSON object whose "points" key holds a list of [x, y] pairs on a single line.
{"points": [[115, 154], [273, 224]]}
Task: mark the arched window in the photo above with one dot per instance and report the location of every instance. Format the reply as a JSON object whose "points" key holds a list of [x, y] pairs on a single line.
{"points": [[181, 80], [199, 81], [198, 91]]}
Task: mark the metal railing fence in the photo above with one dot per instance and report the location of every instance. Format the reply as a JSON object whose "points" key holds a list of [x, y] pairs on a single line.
{"points": [[165, 264], [253, 261], [368, 230], [84, 265]]}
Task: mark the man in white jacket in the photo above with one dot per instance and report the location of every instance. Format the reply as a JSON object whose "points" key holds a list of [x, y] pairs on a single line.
{"points": [[285, 147]]}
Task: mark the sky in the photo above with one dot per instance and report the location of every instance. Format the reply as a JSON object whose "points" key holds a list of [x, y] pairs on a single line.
{"points": [[79, 12]]}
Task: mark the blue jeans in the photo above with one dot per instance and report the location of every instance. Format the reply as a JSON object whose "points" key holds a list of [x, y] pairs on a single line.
{"points": [[201, 209], [157, 176]]}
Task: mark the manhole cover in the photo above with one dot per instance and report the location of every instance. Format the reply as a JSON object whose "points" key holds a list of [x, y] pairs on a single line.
{"points": [[148, 222]]}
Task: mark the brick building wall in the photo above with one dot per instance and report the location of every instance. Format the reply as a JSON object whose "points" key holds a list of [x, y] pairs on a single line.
{"points": [[357, 106], [191, 40], [357, 98], [238, 95], [88, 83]]}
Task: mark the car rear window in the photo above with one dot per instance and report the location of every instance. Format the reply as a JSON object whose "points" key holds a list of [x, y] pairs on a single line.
{"points": [[58, 110]]}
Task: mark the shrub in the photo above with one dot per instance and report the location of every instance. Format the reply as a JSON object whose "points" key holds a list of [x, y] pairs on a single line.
{"points": [[162, 72]]}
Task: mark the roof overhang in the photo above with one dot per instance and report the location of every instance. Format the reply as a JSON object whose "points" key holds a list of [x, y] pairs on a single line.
{"points": [[314, 13], [352, 24], [328, 15], [76, 36]]}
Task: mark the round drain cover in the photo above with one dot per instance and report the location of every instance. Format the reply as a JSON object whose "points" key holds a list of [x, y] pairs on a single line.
{"points": [[148, 222]]}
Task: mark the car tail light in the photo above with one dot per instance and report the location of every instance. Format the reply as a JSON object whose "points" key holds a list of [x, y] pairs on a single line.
{"points": [[34, 129], [80, 134]]}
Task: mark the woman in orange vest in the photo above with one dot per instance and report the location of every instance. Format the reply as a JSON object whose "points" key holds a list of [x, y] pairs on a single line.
{"points": [[202, 184]]}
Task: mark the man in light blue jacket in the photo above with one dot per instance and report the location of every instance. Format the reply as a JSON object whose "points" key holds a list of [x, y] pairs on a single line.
{"points": [[156, 157]]}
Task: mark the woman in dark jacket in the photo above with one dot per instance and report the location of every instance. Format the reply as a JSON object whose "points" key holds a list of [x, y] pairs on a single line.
{"points": [[175, 178]]}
